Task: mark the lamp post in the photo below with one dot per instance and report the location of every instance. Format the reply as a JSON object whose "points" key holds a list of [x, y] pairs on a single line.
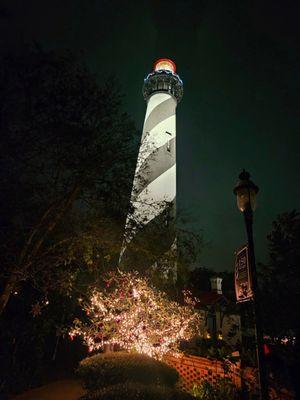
{"points": [[245, 191]]}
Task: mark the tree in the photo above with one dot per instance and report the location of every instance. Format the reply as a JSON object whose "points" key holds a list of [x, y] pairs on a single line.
{"points": [[134, 315], [199, 279], [280, 277], [66, 170], [163, 249], [280, 289]]}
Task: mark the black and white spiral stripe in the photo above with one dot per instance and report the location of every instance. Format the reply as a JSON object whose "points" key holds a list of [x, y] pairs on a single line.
{"points": [[154, 185]]}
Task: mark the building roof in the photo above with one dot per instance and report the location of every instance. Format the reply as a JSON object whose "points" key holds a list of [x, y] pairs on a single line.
{"points": [[210, 298]]}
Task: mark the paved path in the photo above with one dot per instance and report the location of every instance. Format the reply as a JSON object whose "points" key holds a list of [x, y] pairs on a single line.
{"points": [[61, 390]]}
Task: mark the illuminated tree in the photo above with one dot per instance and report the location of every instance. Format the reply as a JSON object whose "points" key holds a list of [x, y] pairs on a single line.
{"points": [[131, 313]]}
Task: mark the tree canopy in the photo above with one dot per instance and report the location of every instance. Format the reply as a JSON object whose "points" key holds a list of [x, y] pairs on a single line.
{"points": [[129, 312], [66, 169], [280, 279]]}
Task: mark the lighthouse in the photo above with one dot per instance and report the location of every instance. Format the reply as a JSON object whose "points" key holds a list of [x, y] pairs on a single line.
{"points": [[150, 234]]}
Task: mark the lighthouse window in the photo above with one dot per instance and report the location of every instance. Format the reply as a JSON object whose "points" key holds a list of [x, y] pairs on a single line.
{"points": [[168, 142]]}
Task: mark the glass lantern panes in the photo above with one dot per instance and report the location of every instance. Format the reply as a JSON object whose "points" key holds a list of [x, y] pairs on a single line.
{"points": [[246, 196]]}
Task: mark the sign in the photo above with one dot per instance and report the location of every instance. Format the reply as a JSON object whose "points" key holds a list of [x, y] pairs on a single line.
{"points": [[242, 276]]}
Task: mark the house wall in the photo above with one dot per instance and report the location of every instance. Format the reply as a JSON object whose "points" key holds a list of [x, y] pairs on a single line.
{"points": [[231, 329], [228, 324]]}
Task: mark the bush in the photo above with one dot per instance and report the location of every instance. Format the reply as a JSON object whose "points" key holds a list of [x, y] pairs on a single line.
{"points": [[223, 389], [216, 349], [108, 369], [137, 391]]}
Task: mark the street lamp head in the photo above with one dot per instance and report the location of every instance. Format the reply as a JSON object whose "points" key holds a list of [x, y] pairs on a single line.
{"points": [[245, 191]]}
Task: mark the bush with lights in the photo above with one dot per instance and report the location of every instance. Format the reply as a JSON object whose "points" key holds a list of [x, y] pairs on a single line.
{"points": [[132, 314]]}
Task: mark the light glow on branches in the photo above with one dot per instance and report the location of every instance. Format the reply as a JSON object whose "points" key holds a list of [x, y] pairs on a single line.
{"points": [[136, 317]]}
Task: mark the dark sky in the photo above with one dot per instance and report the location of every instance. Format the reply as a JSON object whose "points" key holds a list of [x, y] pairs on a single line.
{"points": [[239, 61]]}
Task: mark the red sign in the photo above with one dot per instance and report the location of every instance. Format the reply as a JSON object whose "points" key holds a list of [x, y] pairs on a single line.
{"points": [[242, 276]]}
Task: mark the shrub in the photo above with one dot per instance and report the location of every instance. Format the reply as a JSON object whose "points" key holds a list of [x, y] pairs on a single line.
{"points": [[137, 391], [216, 349], [223, 389], [108, 369]]}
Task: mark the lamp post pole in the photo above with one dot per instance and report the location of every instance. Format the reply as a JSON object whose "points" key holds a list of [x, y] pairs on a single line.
{"points": [[246, 192]]}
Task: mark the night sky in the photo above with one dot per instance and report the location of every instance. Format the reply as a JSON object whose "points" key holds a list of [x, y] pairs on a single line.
{"points": [[239, 61]]}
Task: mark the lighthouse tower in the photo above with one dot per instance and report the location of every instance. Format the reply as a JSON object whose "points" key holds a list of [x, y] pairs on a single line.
{"points": [[150, 237]]}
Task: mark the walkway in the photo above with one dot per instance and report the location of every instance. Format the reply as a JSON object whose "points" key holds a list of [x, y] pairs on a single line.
{"points": [[61, 390]]}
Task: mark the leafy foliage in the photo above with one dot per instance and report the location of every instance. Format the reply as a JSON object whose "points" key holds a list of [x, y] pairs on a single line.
{"points": [[281, 277], [280, 289], [134, 315], [137, 391], [102, 370], [199, 280], [209, 348], [221, 390], [65, 173], [66, 164]]}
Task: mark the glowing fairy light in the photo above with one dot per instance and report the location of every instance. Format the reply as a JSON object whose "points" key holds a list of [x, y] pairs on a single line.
{"points": [[134, 315]]}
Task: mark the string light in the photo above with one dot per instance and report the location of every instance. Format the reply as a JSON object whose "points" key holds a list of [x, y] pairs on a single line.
{"points": [[208, 335], [135, 316]]}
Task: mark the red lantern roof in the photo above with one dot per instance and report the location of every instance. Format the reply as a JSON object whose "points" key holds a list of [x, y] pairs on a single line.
{"points": [[165, 64]]}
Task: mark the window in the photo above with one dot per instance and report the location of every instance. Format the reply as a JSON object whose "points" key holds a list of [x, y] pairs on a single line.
{"points": [[168, 142]]}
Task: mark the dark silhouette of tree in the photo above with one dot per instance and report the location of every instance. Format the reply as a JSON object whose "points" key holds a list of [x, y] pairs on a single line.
{"points": [[199, 279], [280, 290], [66, 170], [280, 277]]}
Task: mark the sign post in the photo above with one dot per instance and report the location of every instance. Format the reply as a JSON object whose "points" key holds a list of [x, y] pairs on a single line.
{"points": [[242, 276]]}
